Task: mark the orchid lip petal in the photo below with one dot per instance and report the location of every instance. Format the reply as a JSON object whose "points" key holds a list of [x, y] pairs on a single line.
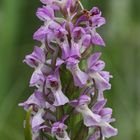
{"points": [[60, 98]]}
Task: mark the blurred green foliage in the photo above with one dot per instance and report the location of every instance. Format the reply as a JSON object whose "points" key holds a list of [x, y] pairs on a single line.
{"points": [[122, 54]]}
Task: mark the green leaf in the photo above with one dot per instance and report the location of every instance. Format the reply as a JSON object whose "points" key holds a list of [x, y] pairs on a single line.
{"points": [[28, 131]]}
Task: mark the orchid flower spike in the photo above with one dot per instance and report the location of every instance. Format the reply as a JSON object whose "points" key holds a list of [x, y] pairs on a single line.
{"points": [[69, 76]]}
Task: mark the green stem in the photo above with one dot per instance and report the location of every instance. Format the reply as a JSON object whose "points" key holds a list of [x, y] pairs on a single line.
{"points": [[60, 112], [82, 132]]}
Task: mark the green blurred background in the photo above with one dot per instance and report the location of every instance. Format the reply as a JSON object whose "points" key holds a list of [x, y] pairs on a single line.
{"points": [[122, 54]]}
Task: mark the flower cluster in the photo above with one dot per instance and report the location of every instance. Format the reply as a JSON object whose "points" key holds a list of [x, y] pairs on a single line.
{"points": [[68, 77]]}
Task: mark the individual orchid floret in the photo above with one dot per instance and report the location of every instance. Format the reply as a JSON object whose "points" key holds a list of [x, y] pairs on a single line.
{"points": [[81, 104], [96, 21], [65, 49], [86, 40], [53, 82], [96, 39], [70, 51], [95, 67], [59, 130], [81, 38], [80, 77], [93, 20], [46, 13], [36, 100], [36, 58], [37, 78], [58, 30], [38, 125], [37, 120], [40, 34], [95, 17], [51, 32], [38, 104], [107, 130], [94, 64], [75, 50], [77, 33]]}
